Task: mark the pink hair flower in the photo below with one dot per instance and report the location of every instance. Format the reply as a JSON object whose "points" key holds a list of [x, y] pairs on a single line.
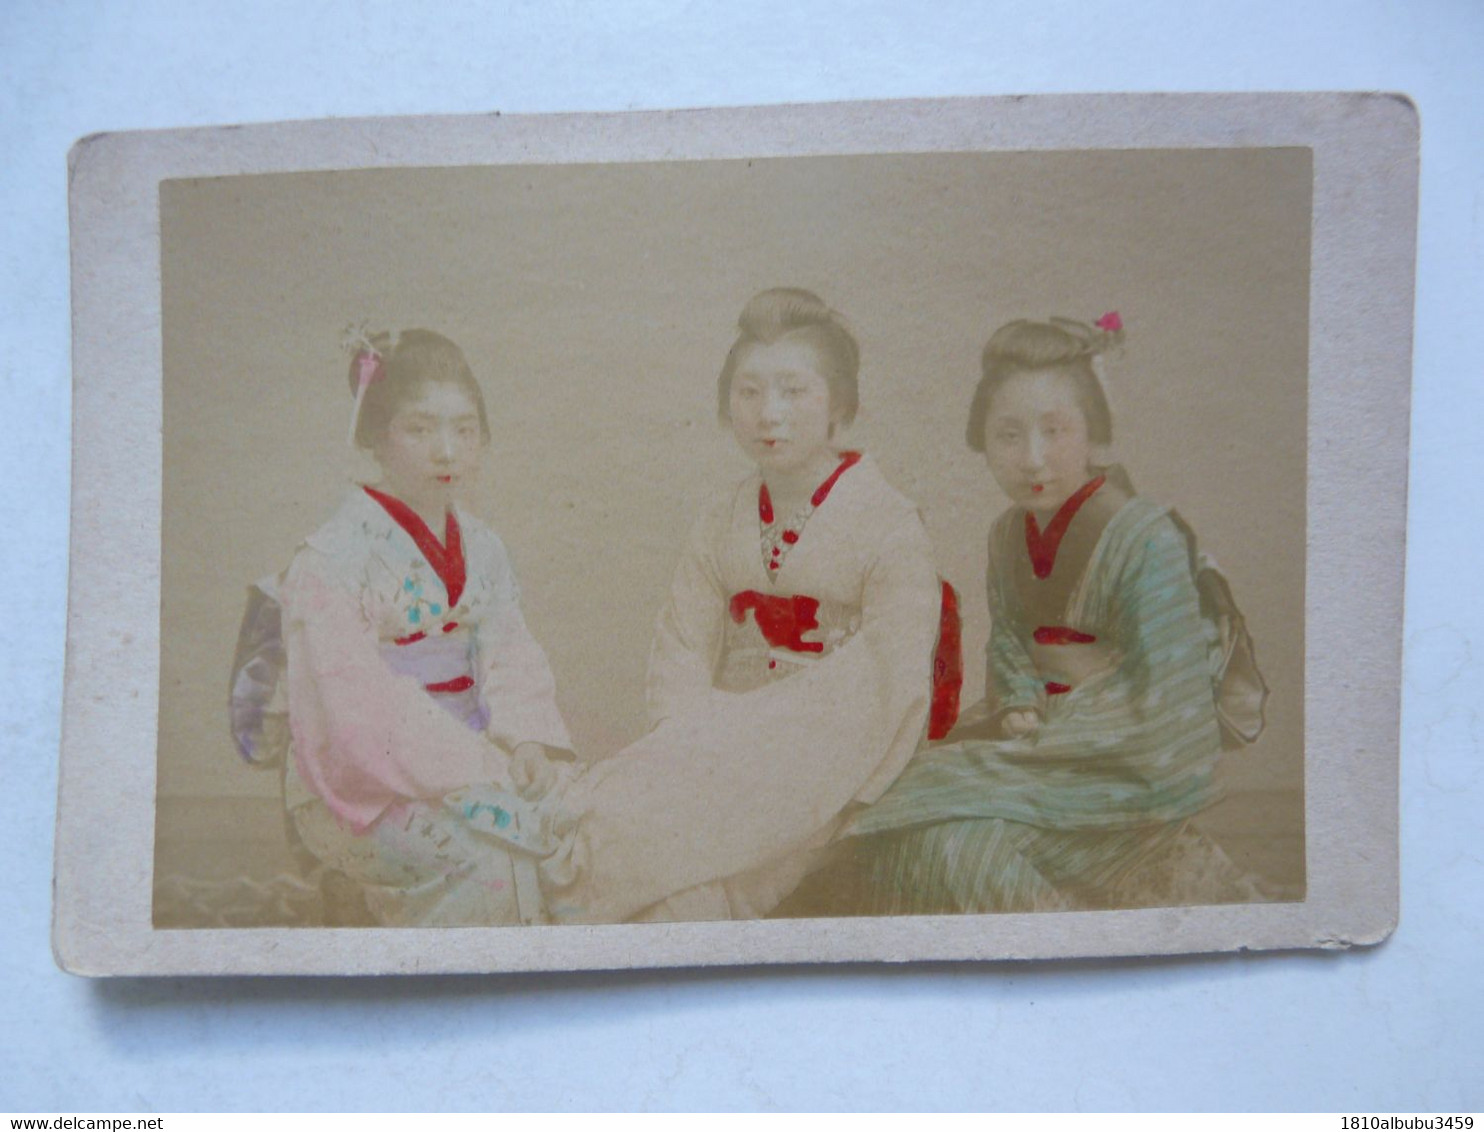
{"points": [[1110, 322], [368, 367]]}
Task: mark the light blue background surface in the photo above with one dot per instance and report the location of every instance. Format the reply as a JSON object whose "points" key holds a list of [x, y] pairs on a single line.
{"points": [[1395, 1028]]}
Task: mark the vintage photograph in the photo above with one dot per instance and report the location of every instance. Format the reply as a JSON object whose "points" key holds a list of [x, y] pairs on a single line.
{"points": [[702, 540], [894, 531]]}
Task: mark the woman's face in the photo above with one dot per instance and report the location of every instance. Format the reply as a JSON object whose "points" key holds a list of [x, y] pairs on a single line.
{"points": [[780, 408], [1035, 439], [433, 445]]}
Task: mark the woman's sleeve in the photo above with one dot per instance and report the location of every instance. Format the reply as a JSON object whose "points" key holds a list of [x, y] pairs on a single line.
{"points": [[1153, 714], [690, 632], [901, 609], [1162, 633], [516, 684], [1011, 682], [364, 737]]}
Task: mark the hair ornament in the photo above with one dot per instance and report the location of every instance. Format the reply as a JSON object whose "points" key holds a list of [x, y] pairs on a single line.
{"points": [[1097, 339], [1109, 333], [367, 366]]}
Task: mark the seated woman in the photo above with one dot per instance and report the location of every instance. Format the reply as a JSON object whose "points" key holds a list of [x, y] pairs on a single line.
{"points": [[1100, 735], [419, 705], [791, 671]]}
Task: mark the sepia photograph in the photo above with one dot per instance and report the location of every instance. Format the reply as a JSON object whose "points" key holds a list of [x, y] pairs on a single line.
{"points": [[866, 535], [752, 665]]}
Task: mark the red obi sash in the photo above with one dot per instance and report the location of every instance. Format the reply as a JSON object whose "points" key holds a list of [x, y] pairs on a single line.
{"points": [[948, 667], [783, 621], [1060, 635]]}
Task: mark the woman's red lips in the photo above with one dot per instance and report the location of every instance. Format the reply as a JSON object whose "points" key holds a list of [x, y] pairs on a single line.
{"points": [[1035, 487]]}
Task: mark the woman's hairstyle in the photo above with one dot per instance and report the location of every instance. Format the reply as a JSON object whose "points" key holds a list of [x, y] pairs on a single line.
{"points": [[796, 314], [407, 364], [1059, 344]]}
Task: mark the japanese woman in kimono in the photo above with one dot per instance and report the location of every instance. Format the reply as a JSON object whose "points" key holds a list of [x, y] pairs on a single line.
{"points": [[420, 706], [791, 670], [1099, 738]]}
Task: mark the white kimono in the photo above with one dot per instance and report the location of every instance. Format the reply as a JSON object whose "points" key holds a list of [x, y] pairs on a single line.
{"points": [[778, 698], [412, 675]]}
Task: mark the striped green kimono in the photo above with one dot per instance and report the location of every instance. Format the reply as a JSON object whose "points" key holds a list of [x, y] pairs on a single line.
{"points": [[1105, 639]]}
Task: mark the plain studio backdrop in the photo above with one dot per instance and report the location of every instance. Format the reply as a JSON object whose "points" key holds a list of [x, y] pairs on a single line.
{"points": [[596, 304], [1391, 1028]]}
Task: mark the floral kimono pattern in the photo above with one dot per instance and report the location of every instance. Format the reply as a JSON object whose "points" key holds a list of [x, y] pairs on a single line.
{"points": [[411, 676]]}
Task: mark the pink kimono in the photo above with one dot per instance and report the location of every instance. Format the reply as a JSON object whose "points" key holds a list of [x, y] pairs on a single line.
{"points": [[411, 677]]}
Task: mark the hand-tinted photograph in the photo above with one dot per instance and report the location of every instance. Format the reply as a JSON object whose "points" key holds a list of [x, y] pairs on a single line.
{"points": [[874, 535]]}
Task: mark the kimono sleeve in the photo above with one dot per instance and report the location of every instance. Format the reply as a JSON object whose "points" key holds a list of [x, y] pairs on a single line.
{"points": [[901, 604], [1152, 719], [1011, 681], [516, 683], [690, 631], [364, 737], [1163, 635]]}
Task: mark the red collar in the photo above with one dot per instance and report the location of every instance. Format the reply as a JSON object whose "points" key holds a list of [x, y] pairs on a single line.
{"points": [[446, 557], [1043, 547], [848, 460]]}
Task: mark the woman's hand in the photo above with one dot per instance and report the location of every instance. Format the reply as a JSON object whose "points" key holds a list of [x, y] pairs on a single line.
{"points": [[1018, 724], [531, 771]]}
